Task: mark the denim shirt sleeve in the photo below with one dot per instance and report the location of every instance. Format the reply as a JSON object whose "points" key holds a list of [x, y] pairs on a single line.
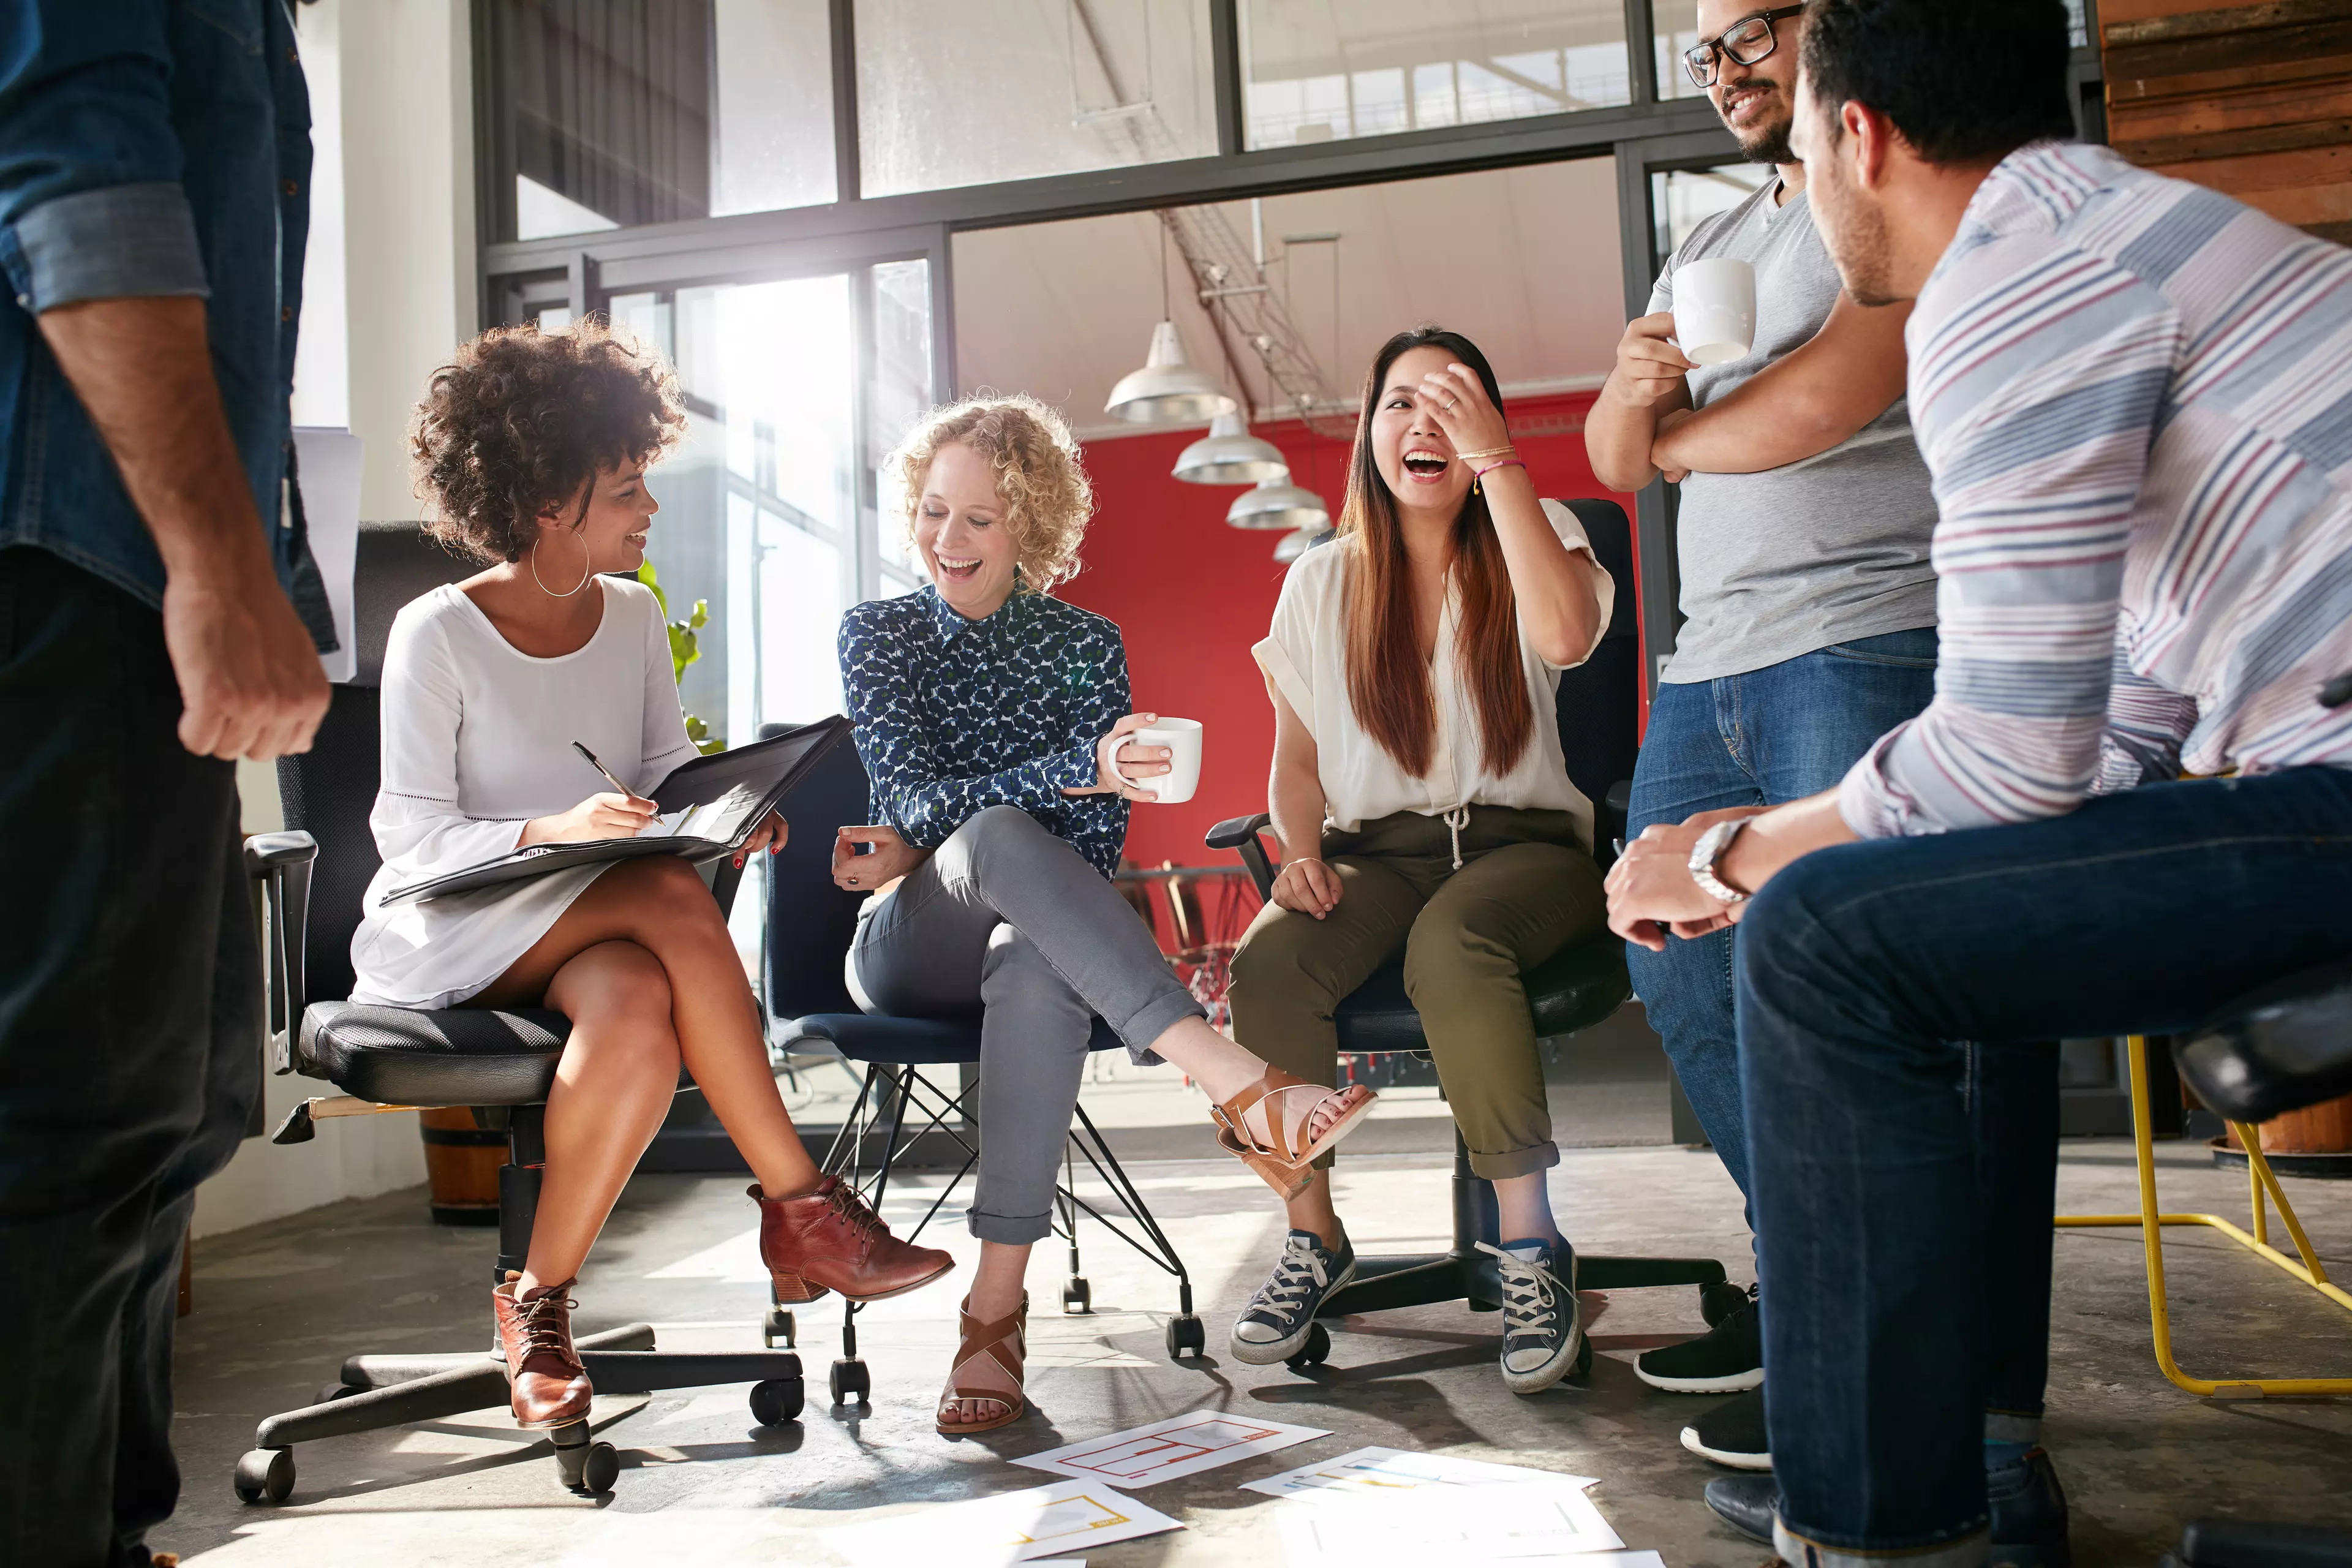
{"points": [[911, 790], [92, 206]]}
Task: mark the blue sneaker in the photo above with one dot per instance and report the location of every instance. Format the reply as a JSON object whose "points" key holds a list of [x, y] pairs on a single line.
{"points": [[1542, 1327], [1274, 1325]]}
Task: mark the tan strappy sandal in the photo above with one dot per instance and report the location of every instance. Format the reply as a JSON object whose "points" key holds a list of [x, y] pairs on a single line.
{"points": [[1288, 1104], [1004, 1344]]}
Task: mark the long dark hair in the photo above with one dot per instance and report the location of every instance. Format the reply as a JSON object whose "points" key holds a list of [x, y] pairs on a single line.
{"points": [[1388, 683]]}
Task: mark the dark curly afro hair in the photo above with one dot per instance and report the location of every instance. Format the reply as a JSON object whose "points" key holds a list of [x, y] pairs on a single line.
{"points": [[522, 420]]}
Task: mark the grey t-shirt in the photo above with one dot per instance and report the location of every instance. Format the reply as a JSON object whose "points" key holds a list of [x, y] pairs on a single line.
{"points": [[1778, 564]]}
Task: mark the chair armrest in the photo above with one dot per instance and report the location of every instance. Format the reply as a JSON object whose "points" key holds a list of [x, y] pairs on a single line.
{"points": [[281, 863], [1242, 833], [1608, 821]]}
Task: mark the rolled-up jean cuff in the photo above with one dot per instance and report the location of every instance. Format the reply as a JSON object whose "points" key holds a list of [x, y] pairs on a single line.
{"points": [[1515, 1162], [2013, 1427], [1799, 1551], [1155, 1018], [1009, 1230]]}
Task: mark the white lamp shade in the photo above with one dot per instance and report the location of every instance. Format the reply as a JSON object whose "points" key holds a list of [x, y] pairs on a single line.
{"points": [[1278, 503], [1167, 390], [1291, 546], [1230, 455]]}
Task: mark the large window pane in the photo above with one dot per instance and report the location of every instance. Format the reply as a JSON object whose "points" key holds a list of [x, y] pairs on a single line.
{"points": [[1317, 71], [983, 90], [1685, 198], [633, 111]]}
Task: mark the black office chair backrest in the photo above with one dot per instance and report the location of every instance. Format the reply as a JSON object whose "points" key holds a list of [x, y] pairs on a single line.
{"points": [[810, 921], [1600, 705], [327, 791]]}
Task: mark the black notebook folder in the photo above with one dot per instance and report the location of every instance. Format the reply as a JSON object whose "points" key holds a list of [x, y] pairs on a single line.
{"points": [[710, 808]]}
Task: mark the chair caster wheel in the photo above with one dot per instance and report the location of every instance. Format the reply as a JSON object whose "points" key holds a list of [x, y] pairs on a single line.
{"points": [[850, 1383], [776, 1401], [779, 1324], [264, 1473], [1314, 1353], [1077, 1297], [331, 1392], [599, 1468], [1719, 1300], [1184, 1334]]}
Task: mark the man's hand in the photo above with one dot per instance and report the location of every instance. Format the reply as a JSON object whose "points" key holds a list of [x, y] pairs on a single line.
{"points": [[892, 858], [1307, 886], [1650, 368], [1651, 890], [250, 681]]}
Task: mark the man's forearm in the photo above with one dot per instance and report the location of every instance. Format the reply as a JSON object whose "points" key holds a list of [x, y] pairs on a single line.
{"points": [[143, 368], [1618, 435], [1772, 839]]}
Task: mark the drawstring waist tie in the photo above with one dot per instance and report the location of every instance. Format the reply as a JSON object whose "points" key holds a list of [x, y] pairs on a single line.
{"points": [[1456, 821]]}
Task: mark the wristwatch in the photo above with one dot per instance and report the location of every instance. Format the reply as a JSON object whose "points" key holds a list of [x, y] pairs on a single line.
{"points": [[1707, 853]]}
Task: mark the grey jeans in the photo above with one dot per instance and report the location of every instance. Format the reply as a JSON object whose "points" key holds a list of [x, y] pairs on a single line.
{"points": [[1008, 921]]}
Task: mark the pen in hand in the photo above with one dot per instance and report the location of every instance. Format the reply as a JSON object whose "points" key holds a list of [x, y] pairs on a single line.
{"points": [[601, 768]]}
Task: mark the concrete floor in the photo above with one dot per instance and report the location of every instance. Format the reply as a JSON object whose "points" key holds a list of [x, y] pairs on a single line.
{"points": [[278, 1306]]}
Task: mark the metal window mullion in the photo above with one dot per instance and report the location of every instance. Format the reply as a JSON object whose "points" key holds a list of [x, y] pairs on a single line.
{"points": [[1641, 52], [863, 558], [848, 178], [1226, 65]]}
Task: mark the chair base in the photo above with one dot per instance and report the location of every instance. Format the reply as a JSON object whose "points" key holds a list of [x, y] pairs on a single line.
{"points": [[1463, 1273], [378, 1392]]}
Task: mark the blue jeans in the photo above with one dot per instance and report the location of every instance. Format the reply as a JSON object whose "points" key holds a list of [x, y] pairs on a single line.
{"points": [[1769, 736], [1860, 971]]}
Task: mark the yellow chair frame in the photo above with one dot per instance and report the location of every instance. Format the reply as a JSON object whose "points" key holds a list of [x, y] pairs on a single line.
{"points": [[2151, 1227]]}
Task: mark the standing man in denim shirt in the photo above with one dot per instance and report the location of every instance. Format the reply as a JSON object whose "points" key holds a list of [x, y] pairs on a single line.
{"points": [[154, 180]]}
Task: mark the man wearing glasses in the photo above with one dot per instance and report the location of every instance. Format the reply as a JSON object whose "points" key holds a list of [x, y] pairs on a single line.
{"points": [[1803, 543]]}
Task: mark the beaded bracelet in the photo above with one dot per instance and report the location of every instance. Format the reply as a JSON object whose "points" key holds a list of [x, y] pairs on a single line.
{"points": [[1482, 473]]}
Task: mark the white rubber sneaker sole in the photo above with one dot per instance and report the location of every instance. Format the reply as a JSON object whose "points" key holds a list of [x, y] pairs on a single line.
{"points": [[1717, 1456], [1268, 1352], [1737, 1383], [1556, 1366]]}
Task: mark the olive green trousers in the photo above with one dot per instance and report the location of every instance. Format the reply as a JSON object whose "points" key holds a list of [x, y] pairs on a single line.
{"points": [[1526, 889]]}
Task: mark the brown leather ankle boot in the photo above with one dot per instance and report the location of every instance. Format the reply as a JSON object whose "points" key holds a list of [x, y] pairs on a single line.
{"points": [[549, 1384], [827, 1239]]}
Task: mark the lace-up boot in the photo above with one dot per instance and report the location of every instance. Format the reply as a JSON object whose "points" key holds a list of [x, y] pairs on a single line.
{"points": [[827, 1239], [1274, 1325], [1542, 1325], [548, 1385]]}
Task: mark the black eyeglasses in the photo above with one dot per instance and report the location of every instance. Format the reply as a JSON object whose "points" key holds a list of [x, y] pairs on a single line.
{"points": [[1744, 43]]}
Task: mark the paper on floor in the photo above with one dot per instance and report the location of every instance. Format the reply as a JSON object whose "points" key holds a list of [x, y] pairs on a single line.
{"points": [[1166, 1450], [1445, 1527], [1017, 1527], [1390, 1472]]}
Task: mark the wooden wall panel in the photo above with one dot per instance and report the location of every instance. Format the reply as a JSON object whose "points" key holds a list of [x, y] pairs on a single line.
{"points": [[2254, 99]]}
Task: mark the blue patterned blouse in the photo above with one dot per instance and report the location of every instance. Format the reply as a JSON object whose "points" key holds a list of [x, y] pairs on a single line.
{"points": [[954, 716]]}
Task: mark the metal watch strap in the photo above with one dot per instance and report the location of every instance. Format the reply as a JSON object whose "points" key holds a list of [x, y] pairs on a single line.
{"points": [[1707, 853]]}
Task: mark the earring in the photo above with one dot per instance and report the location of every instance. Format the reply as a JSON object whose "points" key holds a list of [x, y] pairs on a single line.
{"points": [[587, 558]]}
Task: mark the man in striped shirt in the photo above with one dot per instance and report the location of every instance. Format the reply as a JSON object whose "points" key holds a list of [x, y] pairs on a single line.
{"points": [[2135, 398]]}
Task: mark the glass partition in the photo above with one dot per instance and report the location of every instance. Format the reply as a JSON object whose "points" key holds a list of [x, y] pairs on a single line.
{"points": [[1313, 72], [1682, 199], [984, 91]]}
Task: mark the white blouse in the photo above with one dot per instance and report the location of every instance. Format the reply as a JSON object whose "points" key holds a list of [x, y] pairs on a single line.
{"points": [[1305, 654], [477, 739]]}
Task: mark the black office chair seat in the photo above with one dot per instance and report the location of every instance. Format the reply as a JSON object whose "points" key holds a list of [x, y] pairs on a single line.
{"points": [[465, 1055], [1569, 991], [2275, 1050], [909, 1042]]}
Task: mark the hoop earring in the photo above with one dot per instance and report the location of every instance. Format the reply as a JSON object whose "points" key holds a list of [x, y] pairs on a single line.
{"points": [[587, 558]]}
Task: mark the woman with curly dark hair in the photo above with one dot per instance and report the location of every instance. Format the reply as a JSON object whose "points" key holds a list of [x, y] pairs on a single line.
{"points": [[530, 449]]}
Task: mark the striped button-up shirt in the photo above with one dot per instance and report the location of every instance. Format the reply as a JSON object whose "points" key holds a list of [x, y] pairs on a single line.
{"points": [[2135, 398]]}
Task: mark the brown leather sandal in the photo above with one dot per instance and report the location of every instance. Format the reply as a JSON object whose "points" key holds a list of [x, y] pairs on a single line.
{"points": [[1005, 1345], [1281, 1158]]}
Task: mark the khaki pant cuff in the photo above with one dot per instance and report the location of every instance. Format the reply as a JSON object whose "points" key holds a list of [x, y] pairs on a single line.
{"points": [[1502, 1167]]}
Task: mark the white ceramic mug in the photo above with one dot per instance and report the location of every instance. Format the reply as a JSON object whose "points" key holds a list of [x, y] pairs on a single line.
{"points": [[1182, 739], [1715, 309]]}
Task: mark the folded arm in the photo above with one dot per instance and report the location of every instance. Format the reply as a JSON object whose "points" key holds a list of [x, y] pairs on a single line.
{"points": [[1804, 404]]}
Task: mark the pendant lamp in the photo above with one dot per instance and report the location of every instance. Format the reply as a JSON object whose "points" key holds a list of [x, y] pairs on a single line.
{"points": [[1167, 390], [1291, 546], [1230, 455], [1278, 503]]}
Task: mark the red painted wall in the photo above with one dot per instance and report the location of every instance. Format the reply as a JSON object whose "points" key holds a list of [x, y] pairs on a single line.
{"points": [[1192, 595]]}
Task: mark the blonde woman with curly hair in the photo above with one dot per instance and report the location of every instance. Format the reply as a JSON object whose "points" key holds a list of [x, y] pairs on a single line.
{"points": [[993, 719], [531, 449]]}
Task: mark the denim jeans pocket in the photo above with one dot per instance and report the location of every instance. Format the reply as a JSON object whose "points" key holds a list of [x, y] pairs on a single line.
{"points": [[1914, 650]]}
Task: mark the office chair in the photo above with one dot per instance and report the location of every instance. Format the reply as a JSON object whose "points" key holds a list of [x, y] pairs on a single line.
{"points": [[810, 924], [1572, 990], [497, 1062]]}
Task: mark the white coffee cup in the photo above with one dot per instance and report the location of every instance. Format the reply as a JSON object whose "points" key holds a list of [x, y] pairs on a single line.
{"points": [[1715, 309], [1182, 739]]}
